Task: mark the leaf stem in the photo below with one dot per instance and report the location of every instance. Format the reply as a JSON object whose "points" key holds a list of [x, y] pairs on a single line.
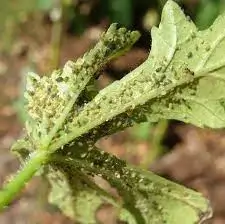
{"points": [[17, 182]]}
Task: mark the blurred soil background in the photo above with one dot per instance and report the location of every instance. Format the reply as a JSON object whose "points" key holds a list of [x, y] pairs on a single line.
{"points": [[42, 35]]}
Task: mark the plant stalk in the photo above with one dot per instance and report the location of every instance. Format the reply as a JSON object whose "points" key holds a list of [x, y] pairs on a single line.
{"points": [[17, 182]]}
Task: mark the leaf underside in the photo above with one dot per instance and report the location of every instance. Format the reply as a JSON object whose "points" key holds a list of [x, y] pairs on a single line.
{"points": [[146, 197], [182, 79]]}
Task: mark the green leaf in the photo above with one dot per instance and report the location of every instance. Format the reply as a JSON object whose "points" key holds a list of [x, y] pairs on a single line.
{"points": [[146, 197], [73, 189], [52, 100], [72, 194], [182, 79]]}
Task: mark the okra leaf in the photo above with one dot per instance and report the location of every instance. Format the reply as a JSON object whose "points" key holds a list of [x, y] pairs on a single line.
{"points": [[72, 193], [52, 100], [73, 189], [145, 197], [182, 79]]}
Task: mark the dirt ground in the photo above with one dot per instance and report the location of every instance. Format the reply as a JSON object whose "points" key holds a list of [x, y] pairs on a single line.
{"points": [[194, 157]]}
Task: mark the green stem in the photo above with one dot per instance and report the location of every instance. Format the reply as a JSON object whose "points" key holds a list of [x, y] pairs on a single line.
{"points": [[17, 183]]}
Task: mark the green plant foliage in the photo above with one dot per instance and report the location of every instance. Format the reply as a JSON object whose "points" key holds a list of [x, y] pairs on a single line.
{"points": [[147, 198], [182, 79], [72, 194], [51, 100]]}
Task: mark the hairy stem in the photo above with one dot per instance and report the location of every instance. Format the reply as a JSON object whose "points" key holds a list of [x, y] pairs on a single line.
{"points": [[17, 182]]}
